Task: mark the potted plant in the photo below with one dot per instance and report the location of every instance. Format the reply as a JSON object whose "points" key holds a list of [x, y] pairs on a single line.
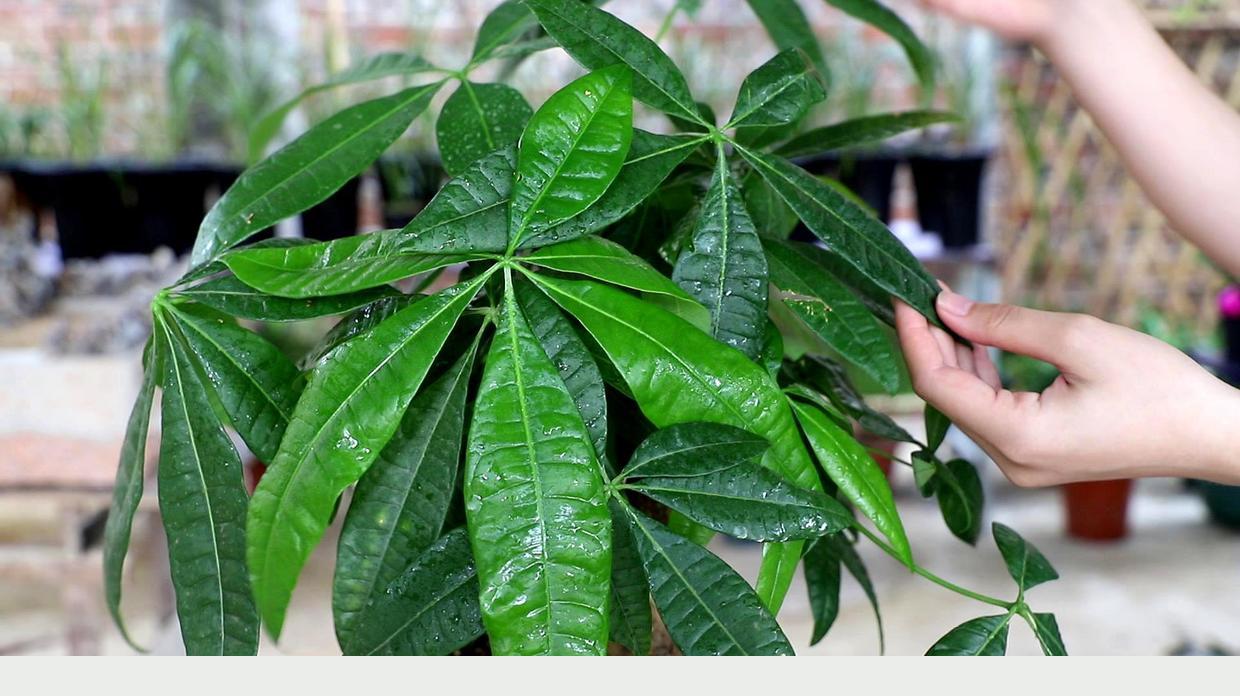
{"points": [[949, 165], [515, 440]]}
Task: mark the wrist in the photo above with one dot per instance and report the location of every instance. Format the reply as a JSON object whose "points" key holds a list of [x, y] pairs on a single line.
{"points": [[1224, 457]]}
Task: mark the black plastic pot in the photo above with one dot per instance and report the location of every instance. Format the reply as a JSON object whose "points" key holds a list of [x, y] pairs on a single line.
{"points": [[119, 207], [335, 217], [408, 183], [870, 175], [1231, 337], [949, 196]]}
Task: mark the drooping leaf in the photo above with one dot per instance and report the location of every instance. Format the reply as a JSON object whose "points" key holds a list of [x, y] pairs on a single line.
{"points": [[841, 549], [631, 623], [478, 119], [875, 298], [1046, 628], [307, 170], [708, 609], [598, 258], [651, 159], [431, 608], [400, 504], [228, 294], [373, 68], [724, 267], [127, 493], [858, 132], [1025, 563], [678, 374], [833, 313], [358, 322], [831, 379], [339, 267], [710, 474], [507, 22], [961, 498], [781, 91], [572, 360], [347, 413], [597, 39], [536, 504], [984, 636], [571, 151], [789, 28], [202, 502], [850, 232], [937, 426], [256, 383], [470, 212], [822, 580], [878, 16], [856, 474]]}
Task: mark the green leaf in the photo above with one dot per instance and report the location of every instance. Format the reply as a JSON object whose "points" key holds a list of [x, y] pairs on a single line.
{"points": [[373, 68], [771, 215], [925, 473], [961, 498], [571, 151], [631, 623], [572, 360], [850, 232], [400, 504], [833, 313], [536, 504], [476, 120], [347, 413], [127, 493], [307, 170], [650, 160], [708, 609], [231, 296], [339, 267], [984, 636], [710, 474], [878, 16], [857, 476], [779, 92], [1046, 628], [822, 581], [431, 608], [470, 213], [876, 299], [724, 267], [789, 28], [598, 258], [508, 21], [358, 322], [937, 426], [857, 132], [257, 385], [839, 548], [772, 357], [202, 502], [832, 379], [1027, 566], [597, 39], [678, 374]]}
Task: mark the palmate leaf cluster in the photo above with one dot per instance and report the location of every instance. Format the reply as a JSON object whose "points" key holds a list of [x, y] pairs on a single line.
{"points": [[634, 357]]}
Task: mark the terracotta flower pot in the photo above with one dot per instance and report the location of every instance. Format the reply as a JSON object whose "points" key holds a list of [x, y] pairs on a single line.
{"points": [[1097, 510], [881, 450]]}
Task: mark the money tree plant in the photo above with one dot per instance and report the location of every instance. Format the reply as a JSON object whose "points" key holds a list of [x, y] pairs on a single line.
{"points": [[631, 357]]}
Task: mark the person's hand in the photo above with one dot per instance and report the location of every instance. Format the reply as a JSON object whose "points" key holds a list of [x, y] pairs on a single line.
{"points": [[1125, 406], [1020, 20]]}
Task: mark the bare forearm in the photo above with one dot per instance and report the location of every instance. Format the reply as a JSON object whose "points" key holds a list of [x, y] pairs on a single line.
{"points": [[1180, 141]]}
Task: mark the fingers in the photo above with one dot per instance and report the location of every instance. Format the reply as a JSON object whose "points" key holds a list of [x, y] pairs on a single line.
{"points": [[1061, 339], [985, 368], [965, 397]]}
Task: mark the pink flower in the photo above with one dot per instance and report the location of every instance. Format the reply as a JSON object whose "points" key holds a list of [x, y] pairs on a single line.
{"points": [[1229, 302]]}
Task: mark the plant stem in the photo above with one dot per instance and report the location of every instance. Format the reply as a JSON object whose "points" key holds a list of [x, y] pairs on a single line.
{"points": [[945, 584], [667, 23]]}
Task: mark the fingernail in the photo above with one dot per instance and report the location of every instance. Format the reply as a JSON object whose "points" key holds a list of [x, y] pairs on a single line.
{"points": [[952, 303]]}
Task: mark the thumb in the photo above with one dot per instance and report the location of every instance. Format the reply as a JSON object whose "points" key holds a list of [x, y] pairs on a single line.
{"points": [[1047, 336]]}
